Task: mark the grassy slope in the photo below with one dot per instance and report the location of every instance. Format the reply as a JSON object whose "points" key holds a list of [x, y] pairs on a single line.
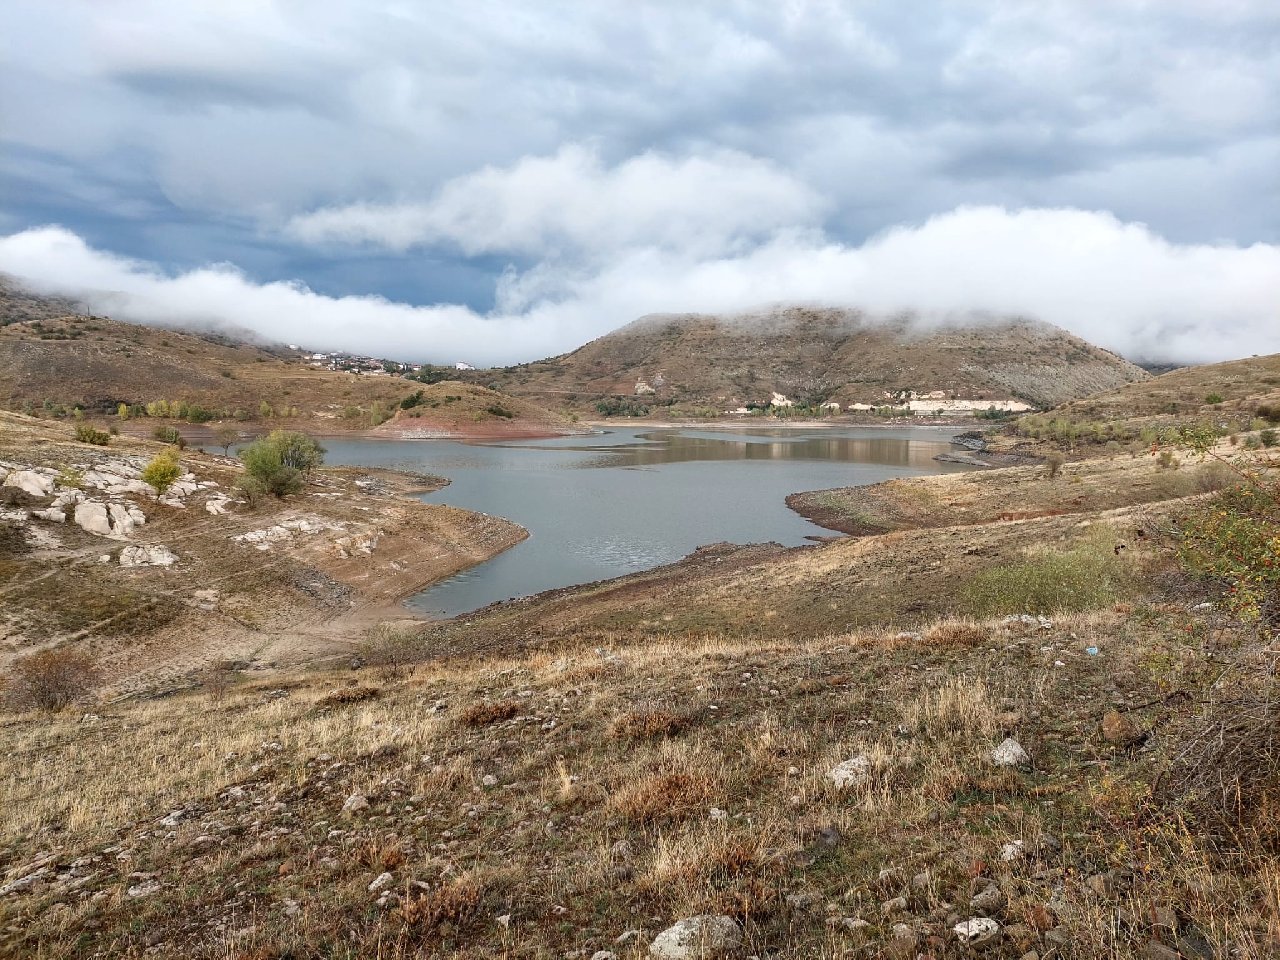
{"points": [[556, 761]]}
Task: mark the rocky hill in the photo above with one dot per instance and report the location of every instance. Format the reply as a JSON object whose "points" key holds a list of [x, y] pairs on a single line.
{"points": [[814, 355]]}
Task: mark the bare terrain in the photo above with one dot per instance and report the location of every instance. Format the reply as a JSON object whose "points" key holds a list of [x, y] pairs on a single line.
{"points": [[1005, 719]]}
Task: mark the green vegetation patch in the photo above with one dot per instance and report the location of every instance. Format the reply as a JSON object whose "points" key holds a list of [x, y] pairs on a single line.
{"points": [[1088, 575]]}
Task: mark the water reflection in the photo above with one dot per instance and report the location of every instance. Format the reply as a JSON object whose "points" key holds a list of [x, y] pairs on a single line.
{"points": [[630, 499]]}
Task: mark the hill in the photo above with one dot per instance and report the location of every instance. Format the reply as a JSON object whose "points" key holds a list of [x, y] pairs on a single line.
{"points": [[691, 362], [54, 360]]}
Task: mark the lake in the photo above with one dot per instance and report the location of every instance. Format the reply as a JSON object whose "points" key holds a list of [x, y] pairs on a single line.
{"points": [[628, 499]]}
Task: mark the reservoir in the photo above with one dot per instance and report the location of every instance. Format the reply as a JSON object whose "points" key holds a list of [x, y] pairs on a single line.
{"points": [[628, 499]]}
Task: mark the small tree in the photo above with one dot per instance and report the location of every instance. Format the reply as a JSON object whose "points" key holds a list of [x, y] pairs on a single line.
{"points": [[162, 471], [1053, 464], [264, 464], [225, 437], [297, 450], [51, 679], [169, 434], [87, 433]]}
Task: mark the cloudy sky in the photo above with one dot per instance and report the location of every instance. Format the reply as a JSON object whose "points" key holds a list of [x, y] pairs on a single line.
{"points": [[498, 182]]}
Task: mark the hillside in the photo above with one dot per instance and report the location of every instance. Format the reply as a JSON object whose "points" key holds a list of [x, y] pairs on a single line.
{"points": [[52, 361], [815, 355], [199, 576], [1040, 733]]}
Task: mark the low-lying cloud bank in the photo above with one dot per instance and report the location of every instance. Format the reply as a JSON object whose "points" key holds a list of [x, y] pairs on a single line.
{"points": [[1116, 284]]}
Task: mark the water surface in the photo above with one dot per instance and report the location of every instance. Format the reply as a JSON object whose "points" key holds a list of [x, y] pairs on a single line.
{"points": [[613, 503]]}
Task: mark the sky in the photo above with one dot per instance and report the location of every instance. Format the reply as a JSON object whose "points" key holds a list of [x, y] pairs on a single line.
{"points": [[499, 182]]}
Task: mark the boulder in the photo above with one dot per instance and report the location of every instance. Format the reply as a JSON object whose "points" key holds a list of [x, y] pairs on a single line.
{"points": [[93, 518], [1010, 754], [52, 514], [850, 773], [158, 556], [36, 484], [703, 936], [977, 932], [121, 523]]}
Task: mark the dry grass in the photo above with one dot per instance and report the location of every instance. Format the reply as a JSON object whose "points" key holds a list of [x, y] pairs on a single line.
{"points": [[650, 723], [482, 713]]}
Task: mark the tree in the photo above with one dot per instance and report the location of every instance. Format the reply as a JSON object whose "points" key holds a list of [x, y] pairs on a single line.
{"points": [[52, 679], [226, 436], [279, 461], [297, 450], [162, 470]]}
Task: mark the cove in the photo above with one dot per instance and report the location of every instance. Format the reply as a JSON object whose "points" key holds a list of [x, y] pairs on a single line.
{"points": [[609, 504]]}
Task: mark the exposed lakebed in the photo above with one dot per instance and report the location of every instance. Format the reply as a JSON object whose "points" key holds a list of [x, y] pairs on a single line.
{"points": [[629, 499]]}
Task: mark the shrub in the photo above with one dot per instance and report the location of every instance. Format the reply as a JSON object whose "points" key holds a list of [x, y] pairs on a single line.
{"points": [[1214, 398], [1088, 575], [650, 723], [1235, 540], [85, 433], [162, 471], [278, 462], [1267, 438], [482, 712], [169, 434], [1053, 464], [51, 679], [251, 489]]}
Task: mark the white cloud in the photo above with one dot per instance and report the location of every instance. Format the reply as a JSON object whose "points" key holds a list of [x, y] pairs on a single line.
{"points": [[1117, 284], [571, 202]]}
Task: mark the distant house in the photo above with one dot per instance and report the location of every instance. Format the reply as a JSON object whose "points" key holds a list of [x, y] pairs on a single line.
{"points": [[830, 406], [463, 365], [643, 389], [780, 400]]}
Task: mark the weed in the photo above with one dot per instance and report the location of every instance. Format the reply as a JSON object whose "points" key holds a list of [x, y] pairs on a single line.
{"points": [[1086, 576], [483, 712]]}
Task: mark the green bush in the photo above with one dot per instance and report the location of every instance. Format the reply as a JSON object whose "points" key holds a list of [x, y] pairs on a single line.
{"points": [[279, 461], [169, 434], [1084, 577], [1214, 398], [1234, 539], [85, 433], [162, 471]]}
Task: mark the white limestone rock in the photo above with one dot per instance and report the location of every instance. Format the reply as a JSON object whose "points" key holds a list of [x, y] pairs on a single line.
{"points": [[36, 484], [52, 514], [703, 936], [93, 518], [1010, 754], [142, 556], [851, 773], [977, 932]]}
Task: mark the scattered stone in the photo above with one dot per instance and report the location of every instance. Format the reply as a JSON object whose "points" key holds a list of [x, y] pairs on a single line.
{"points": [[702, 937], [355, 803], [52, 514], [1015, 850], [977, 932], [604, 955], [717, 814], [896, 905], [157, 556], [1010, 754], [380, 882], [488, 780], [1155, 950], [1103, 885], [854, 924], [803, 901], [850, 773], [144, 889], [291, 908], [504, 921], [989, 901]]}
